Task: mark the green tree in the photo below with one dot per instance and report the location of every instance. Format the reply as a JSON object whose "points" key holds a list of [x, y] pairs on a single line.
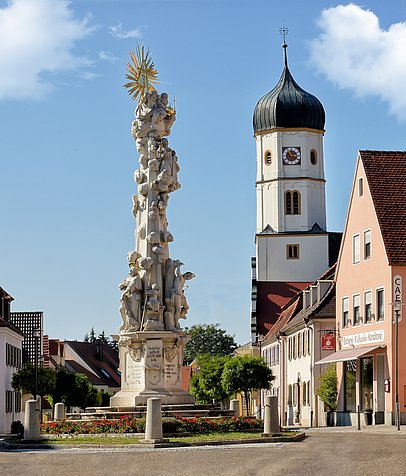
{"points": [[103, 338], [208, 339], [206, 384], [245, 374], [327, 388], [24, 380], [74, 390]]}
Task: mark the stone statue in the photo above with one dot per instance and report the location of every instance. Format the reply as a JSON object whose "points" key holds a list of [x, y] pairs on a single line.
{"points": [[130, 301], [152, 295], [178, 297]]}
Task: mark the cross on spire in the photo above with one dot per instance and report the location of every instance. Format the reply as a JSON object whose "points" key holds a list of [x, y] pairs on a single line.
{"points": [[284, 33]]}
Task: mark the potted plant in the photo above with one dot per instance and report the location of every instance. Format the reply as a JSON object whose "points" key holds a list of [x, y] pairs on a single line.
{"points": [[327, 391]]}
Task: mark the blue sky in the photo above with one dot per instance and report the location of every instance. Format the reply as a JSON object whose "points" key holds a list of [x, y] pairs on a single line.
{"points": [[67, 156]]}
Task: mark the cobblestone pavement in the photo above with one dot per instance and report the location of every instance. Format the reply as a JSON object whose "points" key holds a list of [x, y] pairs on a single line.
{"points": [[328, 452]]}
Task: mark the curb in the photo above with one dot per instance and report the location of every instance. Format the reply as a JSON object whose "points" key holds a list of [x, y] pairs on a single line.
{"points": [[38, 446]]}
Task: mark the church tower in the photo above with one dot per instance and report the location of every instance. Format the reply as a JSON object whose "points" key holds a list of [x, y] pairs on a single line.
{"points": [[291, 237], [292, 244]]}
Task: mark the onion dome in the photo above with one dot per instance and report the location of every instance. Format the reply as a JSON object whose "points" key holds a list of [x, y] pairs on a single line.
{"points": [[288, 105]]}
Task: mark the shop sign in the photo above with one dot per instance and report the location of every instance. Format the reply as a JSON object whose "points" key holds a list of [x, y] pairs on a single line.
{"points": [[328, 342], [397, 295], [355, 340]]}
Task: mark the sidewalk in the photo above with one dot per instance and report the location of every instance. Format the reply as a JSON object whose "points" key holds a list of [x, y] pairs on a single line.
{"points": [[370, 429]]}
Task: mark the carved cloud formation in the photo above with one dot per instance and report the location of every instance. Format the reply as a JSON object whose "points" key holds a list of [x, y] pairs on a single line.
{"points": [[355, 53], [37, 39]]}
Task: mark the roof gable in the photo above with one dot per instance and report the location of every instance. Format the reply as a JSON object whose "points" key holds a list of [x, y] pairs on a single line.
{"points": [[385, 172]]}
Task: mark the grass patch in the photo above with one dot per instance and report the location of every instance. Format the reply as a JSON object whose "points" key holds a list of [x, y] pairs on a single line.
{"points": [[133, 440], [237, 435]]}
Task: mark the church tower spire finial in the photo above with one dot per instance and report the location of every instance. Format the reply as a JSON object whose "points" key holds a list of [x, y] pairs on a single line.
{"points": [[284, 32]]}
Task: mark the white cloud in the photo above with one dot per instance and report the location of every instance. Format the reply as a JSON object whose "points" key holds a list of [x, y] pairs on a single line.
{"points": [[37, 40], [354, 52], [108, 56], [119, 33]]}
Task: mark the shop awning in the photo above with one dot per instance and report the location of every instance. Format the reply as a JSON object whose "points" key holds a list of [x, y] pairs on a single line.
{"points": [[347, 354]]}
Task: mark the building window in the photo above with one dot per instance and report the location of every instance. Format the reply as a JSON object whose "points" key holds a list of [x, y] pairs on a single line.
{"points": [[346, 320], [290, 348], [290, 395], [313, 157], [294, 347], [304, 393], [355, 249], [360, 187], [350, 367], [277, 354], [308, 341], [367, 244], [268, 157], [308, 393], [299, 345], [17, 402], [368, 306], [292, 251], [9, 401], [380, 305], [292, 202], [356, 311]]}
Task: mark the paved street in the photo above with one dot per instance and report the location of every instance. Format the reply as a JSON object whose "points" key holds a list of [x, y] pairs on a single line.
{"points": [[324, 452]]}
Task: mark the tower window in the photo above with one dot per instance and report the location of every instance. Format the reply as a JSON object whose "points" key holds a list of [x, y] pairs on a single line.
{"points": [[292, 251], [292, 203], [313, 157], [268, 157]]}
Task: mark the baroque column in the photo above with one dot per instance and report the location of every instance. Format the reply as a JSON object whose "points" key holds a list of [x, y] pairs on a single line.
{"points": [[151, 341]]}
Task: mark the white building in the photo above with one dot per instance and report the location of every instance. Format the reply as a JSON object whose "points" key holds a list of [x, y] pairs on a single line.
{"points": [[293, 247], [11, 339]]}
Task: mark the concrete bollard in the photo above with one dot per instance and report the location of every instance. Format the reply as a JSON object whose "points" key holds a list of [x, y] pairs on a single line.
{"points": [[153, 425], [59, 411], [235, 407], [31, 421], [271, 420]]}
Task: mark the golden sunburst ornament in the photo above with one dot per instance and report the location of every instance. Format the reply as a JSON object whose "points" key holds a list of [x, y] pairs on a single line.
{"points": [[141, 73]]}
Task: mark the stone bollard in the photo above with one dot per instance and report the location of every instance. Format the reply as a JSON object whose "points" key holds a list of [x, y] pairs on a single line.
{"points": [[271, 420], [235, 407], [153, 424], [31, 421], [59, 411]]}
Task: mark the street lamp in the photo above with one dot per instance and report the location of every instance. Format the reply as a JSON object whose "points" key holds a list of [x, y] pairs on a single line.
{"points": [[37, 334], [397, 306]]}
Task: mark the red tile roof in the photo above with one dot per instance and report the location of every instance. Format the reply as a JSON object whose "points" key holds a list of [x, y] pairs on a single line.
{"points": [[285, 316], [386, 175], [106, 362], [271, 297], [73, 366]]}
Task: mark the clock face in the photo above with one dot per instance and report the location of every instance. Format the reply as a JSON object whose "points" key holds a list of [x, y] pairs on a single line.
{"points": [[291, 155]]}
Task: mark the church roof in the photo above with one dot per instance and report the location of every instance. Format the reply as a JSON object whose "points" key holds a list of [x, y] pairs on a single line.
{"points": [[386, 175], [288, 106]]}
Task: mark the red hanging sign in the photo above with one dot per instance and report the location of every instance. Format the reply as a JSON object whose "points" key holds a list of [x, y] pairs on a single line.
{"points": [[328, 342]]}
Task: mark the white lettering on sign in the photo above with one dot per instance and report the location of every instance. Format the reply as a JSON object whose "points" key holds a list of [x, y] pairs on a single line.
{"points": [[397, 296], [356, 340]]}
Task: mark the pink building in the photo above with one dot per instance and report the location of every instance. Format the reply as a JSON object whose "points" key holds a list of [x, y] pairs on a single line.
{"points": [[370, 272]]}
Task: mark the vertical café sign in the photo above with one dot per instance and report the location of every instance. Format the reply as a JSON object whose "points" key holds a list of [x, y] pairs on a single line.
{"points": [[397, 294]]}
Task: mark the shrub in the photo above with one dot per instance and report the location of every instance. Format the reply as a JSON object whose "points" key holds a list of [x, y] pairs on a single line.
{"points": [[130, 424]]}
